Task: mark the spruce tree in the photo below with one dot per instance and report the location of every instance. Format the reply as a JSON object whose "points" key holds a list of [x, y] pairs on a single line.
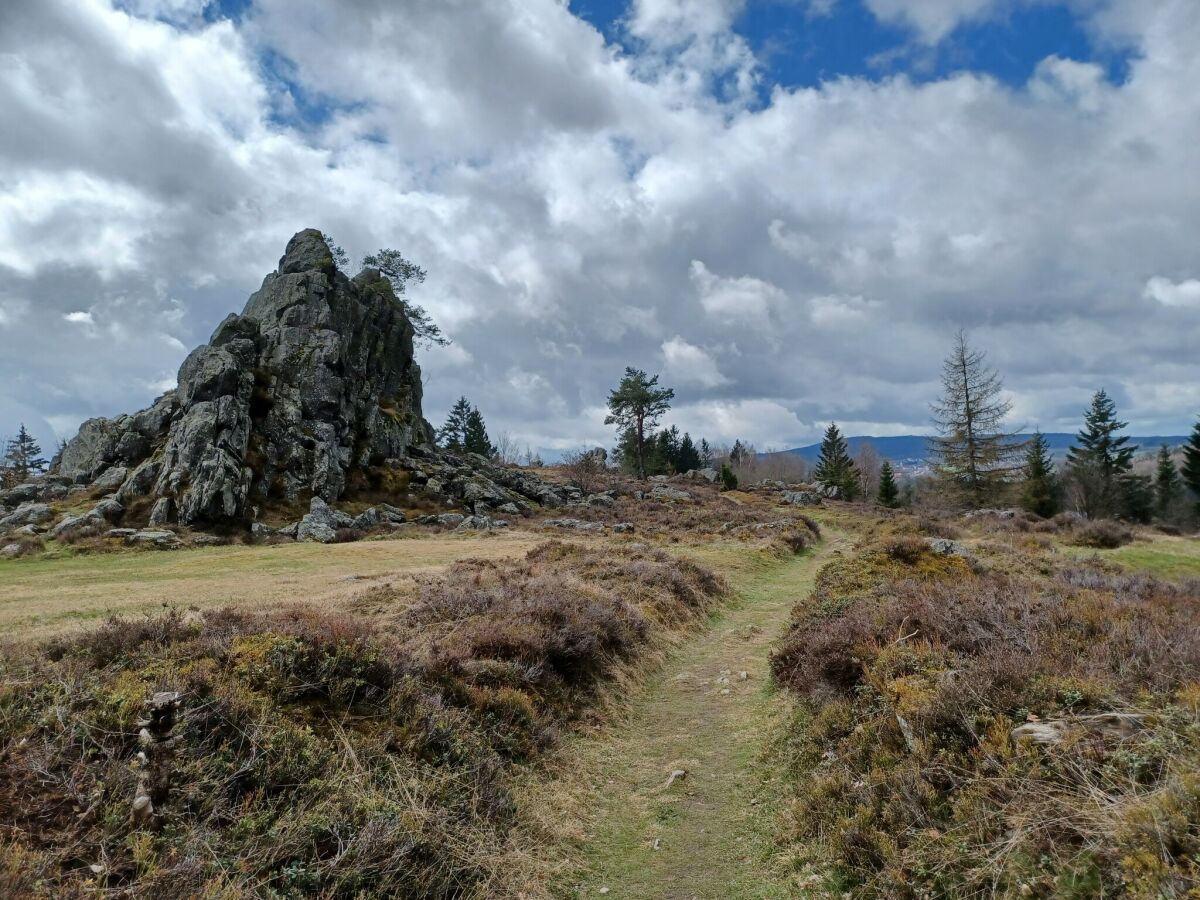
{"points": [[23, 457], [835, 468], [1040, 492], [1100, 461], [453, 435], [737, 454], [706, 453], [635, 405], [475, 436], [975, 456], [1168, 487], [688, 457], [889, 493], [1191, 464]]}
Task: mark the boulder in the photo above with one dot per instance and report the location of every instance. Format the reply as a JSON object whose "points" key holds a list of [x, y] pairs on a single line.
{"points": [[112, 479], [573, 524], [378, 516], [624, 528], [801, 498], [666, 492], [108, 509], [450, 520], [27, 514], [23, 493], [319, 525], [11, 551], [154, 538], [480, 523], [947, 547]]}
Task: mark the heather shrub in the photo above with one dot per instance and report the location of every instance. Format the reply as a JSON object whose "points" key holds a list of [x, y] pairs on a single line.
{"points": [[1102, 534], [906, 767], [319, 753]]}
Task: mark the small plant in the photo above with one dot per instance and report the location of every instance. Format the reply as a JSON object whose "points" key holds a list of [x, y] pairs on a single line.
{"points": [[729, 480]]}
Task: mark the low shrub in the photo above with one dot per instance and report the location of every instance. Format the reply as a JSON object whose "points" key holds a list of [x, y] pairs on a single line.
{"points": [[319, 753], [912, 681], [1101, 534]]}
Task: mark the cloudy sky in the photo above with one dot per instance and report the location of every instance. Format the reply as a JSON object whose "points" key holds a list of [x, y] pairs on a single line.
{"points": [[786, 207]]}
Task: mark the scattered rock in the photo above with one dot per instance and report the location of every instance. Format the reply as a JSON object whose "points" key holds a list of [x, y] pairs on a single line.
{"points": [[378, 516], [208, 540], [120, 532], [666, 492], [27, 514], [606, 500], [801, 498], [163, 539], [480, 523], [259, 530], [10, 551], [108, 509], [624, 528], [947, 547], [447, 520], [573, 524], [111, 480]]}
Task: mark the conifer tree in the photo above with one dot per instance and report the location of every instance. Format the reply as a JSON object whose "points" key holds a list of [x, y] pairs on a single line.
{"points": [[975, 456], [687, 457], [737, 454], [400, 272], [1040, 492], [1100, 461], [1168, 487], [835, 468], [637, 403], [729, 480], [706, 453], [23, 457], [889, 493], [453, 435], [475, 436], [1191, 464]]}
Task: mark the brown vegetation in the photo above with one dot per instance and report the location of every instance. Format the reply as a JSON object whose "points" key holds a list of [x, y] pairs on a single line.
{"points": [[319, 753], [918, 672]]}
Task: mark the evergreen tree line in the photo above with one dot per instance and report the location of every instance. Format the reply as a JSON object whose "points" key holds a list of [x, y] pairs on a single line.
{"points": [[465, 431], [978, 462]]}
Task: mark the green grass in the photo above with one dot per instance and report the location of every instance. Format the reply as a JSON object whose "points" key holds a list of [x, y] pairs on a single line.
{"points": [[712, 833], [1167, 557]]}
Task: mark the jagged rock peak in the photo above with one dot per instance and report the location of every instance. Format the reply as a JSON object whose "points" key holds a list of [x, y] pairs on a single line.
{"points": [[314, 379]]}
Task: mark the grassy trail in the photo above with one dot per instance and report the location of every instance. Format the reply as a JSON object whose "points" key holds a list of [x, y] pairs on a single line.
{"points": [[709, 833]]}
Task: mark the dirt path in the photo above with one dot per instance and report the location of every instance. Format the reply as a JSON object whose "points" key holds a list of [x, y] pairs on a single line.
{"points": [[708, 833]]}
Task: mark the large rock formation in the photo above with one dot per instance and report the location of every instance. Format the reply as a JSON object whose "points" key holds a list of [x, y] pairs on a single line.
{"points": [[314, 380]]}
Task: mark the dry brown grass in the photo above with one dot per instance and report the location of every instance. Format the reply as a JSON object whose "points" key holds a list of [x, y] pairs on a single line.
{"points": [[321, 753], [46, 596]]}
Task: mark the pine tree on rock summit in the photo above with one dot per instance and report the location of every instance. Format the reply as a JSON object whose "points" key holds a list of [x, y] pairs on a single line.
{"points": [[23, 457]]}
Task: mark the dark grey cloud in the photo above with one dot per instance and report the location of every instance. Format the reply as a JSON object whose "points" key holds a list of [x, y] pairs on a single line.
{"points": [[580, 210]]}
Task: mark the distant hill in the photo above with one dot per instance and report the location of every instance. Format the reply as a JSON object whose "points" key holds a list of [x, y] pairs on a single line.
{"points": [[913, 449]]}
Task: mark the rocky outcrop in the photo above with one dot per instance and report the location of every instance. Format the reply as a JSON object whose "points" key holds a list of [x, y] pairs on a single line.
{"points": [[312, 389], [314, 379]]}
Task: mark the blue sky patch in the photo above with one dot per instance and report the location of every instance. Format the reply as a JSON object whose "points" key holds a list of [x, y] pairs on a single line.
{"points": [[799, 49]]}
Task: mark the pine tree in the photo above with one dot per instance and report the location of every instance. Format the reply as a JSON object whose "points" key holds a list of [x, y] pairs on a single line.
{"points": [[1040, 492], [889, 493], [637, 403], [706, 453], [974, 454], [835, 468], [737, 454], [23, 457], [688, 457], [399, 272], [1168, 487], [453, 435], [1191, 464], [1100, 460], [475, 436]]}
